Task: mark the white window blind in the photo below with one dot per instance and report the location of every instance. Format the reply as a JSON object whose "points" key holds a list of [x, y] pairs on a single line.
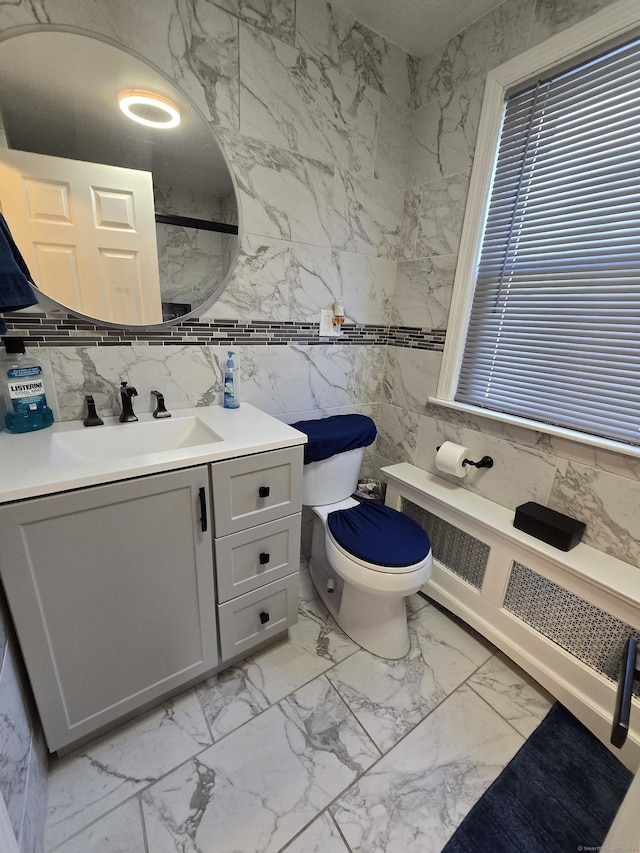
{"points": [[554, 334]]}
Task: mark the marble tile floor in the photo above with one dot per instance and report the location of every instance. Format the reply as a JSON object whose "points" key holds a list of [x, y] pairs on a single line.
{"points": [[311, 745]]}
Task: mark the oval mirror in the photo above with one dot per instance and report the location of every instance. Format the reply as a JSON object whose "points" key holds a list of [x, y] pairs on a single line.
{"points": [[120, 222]]}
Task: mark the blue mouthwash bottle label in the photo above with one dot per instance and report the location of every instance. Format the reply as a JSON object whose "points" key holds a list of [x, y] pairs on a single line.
{"points": [[26, 389], [28, 408]]}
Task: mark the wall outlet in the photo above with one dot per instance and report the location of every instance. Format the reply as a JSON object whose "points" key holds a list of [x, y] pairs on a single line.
{"points": [[326, 328]]}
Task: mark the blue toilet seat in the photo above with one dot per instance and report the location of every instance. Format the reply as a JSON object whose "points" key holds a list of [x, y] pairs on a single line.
{"points": [[380, 535]]}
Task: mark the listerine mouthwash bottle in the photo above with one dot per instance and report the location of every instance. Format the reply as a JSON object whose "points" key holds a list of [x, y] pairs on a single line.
{"points": [[23, 390]]}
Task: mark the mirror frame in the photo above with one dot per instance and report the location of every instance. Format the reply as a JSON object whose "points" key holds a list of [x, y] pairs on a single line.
{"points": [[44, 298]]}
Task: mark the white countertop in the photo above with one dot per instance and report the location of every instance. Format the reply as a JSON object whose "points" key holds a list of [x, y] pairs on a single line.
{"points": [[28, 466]]}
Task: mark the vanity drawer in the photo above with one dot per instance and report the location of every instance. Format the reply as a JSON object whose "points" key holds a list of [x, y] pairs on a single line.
{"points": [[255, 489], [255, 616], [254, 557]]}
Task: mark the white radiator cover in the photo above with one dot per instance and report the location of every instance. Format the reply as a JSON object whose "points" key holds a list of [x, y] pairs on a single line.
{"points": [[562, 616]]}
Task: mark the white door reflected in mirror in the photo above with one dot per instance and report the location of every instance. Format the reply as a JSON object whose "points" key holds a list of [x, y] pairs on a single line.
{"points": [[87, 233]]}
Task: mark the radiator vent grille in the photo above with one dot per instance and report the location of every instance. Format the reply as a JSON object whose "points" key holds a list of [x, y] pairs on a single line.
{"points": [[579, 627], [460, 552]]}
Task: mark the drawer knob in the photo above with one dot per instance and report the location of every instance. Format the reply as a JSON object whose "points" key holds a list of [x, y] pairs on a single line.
{"points": [[264, 617], [263, 491], [264, 558]]}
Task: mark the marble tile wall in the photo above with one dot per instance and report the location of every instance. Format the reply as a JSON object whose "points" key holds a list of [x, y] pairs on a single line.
{"points": [[599, 487], [189, 259]]}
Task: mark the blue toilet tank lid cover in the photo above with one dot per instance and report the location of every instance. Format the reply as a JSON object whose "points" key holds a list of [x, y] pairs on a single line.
{"points": [[379, 534], [337, 434]]}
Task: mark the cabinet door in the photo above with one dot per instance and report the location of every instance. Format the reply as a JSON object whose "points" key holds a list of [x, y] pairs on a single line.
{"points": [[111, 591]]}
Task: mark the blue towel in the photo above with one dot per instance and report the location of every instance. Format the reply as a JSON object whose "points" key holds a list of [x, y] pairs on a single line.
{"points": [[15, 290]]}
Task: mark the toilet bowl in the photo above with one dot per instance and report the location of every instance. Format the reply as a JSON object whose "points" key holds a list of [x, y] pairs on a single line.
{"points": [[365, 557]]}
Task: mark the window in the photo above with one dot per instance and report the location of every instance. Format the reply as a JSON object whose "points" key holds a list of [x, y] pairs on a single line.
{"points": [[550, 291]]}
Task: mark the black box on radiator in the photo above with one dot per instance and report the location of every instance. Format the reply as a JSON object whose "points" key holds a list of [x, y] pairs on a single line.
{"points": [[552, 527]]}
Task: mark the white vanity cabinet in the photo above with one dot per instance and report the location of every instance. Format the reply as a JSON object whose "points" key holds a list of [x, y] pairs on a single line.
{"points": [[134, 573], [257, 503], [112, 594]]}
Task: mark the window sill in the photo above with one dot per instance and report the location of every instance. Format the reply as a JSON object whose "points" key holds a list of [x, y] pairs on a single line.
{"points": [[545, 429]]}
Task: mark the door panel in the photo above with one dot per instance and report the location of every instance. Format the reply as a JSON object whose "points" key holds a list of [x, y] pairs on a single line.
{"points": [[81, 227]]}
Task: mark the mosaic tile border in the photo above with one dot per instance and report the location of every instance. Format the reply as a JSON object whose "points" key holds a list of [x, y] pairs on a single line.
{"points": [[592, 635], [43, 330], [461, 553]]}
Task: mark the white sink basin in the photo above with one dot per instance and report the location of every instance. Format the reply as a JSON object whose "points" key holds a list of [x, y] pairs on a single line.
{"points": [[121, 441]]}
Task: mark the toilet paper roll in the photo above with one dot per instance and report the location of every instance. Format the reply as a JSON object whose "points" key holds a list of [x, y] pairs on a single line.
{"points": [[450, 457]]}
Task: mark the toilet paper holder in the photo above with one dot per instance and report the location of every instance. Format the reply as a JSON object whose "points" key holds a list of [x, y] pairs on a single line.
{"points": [[485, 462]]}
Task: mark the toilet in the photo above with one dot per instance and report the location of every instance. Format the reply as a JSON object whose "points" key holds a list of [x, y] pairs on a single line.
{"points": [[365, 557]]}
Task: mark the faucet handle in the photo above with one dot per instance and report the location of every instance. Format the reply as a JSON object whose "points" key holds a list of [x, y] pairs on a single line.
{"points": [[160, 411], [92, 418]]}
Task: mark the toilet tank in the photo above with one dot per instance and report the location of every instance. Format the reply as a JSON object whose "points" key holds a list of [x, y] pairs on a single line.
{"points": [[333, 479]]}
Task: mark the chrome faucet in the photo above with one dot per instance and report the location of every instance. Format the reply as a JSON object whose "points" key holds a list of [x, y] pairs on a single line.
{"points": [[127, 393]]}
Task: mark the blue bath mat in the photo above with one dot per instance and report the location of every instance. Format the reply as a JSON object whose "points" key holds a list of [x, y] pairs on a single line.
{"points": [[560, 791]]}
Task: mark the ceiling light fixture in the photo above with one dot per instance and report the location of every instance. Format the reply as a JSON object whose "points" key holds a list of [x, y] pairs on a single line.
{"points": [[148, 108]]}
